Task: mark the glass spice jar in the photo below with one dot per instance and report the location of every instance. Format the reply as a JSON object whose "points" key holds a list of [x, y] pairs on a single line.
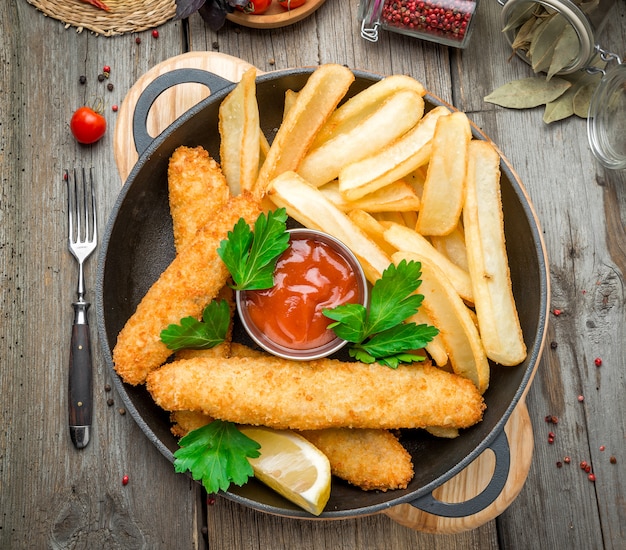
{"points": [[584, 20], [447, 22]]}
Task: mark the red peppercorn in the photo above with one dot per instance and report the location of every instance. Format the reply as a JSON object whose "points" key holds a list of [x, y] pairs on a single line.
{"points": [[125, 480], [559, 464], [556, 312], [591, 477], [551, 435], [106, 69], [588, 468], [567, 460], [598, 362], [613, 460], [210, 500], [583, 464], [602, 447], [581, 398], [155, 34], [138, 40], [114, 108]]}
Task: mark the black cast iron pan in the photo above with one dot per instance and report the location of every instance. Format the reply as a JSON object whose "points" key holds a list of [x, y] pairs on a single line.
{"points": [[138, 246]]}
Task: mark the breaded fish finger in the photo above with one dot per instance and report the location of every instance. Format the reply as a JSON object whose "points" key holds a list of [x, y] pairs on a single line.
{"points": [[197, 189], [315, 395], [188, 284], [370, 459]]}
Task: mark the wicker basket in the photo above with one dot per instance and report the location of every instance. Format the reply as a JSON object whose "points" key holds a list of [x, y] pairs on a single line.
{"points": [[124, 16]]}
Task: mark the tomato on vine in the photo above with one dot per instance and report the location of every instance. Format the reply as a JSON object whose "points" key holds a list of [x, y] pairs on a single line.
{"points": [[256, 7], [87, 125]]}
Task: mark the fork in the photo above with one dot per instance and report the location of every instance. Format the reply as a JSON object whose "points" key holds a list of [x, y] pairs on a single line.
{"points": [[82, 241]]}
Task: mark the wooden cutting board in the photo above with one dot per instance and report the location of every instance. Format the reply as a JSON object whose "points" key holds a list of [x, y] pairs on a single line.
{"points": [[465, 485]]}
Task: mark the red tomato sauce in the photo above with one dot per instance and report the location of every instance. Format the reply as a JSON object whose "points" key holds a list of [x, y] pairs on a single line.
{"points": [[309, 277]]}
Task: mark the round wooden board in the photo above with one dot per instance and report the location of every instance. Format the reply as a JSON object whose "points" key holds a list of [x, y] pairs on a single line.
{"points": [[276, 16], [465, 485]]}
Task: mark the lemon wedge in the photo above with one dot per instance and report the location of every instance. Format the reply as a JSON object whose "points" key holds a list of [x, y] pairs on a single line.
{"points": [[292, 466]]}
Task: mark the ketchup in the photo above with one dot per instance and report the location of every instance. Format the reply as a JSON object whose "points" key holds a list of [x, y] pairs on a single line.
{"points": [[309, 277]]}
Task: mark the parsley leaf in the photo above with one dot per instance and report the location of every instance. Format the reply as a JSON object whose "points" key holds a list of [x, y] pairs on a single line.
{"points": [[217, 454], [194, 334], [251, 256], [380, 333]]}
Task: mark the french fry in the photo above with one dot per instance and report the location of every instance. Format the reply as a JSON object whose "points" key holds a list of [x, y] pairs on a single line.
{"points": [[398, 196], [372, 227], [393, 162], [483, 222], [360, 106], [307, 205], [450, 315], [315, 102], [322, 164], [409, 240], [435, 348], [444, 188], [452, 245], [290, 99], [240, 134]]}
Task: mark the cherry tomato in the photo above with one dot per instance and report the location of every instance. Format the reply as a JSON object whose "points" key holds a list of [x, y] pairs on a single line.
{"points": [[291, 4], [87, 125], [256, 7]]}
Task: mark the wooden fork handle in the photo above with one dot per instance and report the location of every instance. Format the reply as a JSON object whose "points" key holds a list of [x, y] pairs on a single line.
{"points": [[80, 378]]}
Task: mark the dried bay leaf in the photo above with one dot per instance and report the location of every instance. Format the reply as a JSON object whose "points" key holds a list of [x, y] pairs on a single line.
{"points": [[562, 107], [519, 15], [528, 92], [582, 99], [524, 34], [544, 43], [566, 50]]}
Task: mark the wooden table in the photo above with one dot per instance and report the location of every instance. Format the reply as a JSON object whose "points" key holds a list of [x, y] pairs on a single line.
{"points": [[54, 496]]}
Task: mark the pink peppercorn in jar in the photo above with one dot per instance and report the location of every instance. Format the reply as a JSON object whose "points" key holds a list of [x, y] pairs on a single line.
{"points": [[447, 22]]}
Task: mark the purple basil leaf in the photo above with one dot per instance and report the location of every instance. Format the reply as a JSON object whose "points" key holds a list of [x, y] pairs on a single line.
{"points": [[238, 3], [214, 15], [184, 8]]}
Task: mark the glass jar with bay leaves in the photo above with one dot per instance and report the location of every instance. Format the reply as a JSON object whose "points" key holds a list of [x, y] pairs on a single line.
{"points": [[555, 36], [559, 37]]}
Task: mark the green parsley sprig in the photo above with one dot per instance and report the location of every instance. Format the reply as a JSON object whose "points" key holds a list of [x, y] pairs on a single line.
{"points": [[217, 454], [380, 333], [251, 256], [194, 334]]}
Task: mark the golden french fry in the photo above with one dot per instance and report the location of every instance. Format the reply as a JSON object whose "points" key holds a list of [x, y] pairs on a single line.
{"points": [[322, 164], [315, 102], [435, 348], [372, 227], [410, 217], [444, 187], [452, 245], [483, 223], [398, 196], [240, 134], [450, 315], [307, 205], [290, 99], [363, 104], [409, 240], [389, 217], [388, 164], [446, 433]]}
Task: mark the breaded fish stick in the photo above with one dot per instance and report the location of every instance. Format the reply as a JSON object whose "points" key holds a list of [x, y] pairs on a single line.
{"points": [[197, 189], [188, 284], [318, 394], [369, 459]]}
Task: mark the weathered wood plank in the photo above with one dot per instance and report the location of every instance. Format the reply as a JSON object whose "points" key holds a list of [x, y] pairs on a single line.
{"points": [[54, 496]]}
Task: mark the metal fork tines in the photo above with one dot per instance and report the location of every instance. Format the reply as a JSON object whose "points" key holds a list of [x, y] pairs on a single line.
{"points": [[82, 241]]}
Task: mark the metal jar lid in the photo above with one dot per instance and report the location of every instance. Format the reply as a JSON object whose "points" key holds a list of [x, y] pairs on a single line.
{"points": [[606, 123]]}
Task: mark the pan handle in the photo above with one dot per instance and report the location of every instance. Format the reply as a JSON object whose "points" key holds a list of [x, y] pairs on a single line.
{"points": [[500, 447], [157, 87]]}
